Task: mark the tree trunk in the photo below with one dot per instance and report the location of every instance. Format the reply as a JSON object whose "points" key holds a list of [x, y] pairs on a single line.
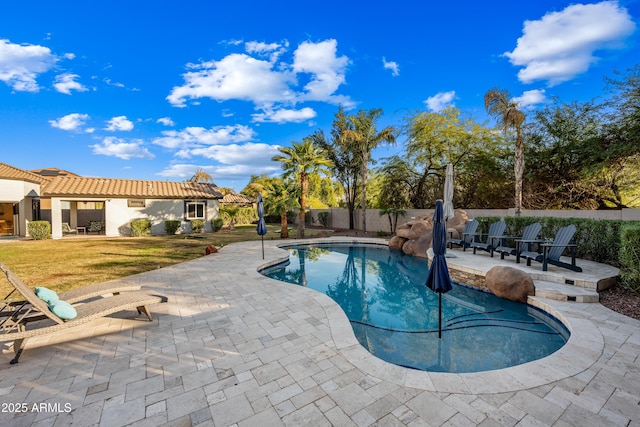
{"points": [[518, 162], [284, 227], [304, 184], [365, 160]]}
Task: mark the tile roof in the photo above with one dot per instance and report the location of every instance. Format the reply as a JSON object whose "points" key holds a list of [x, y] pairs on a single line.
{"points": [[16, 174], [237, 198], [51, 173], [109, 187]]}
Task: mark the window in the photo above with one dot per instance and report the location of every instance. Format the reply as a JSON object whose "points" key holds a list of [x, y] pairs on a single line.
{"points": [[195, 210]]}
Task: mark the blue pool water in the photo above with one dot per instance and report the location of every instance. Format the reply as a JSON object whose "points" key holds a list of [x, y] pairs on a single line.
{"points": [[395, 316]]}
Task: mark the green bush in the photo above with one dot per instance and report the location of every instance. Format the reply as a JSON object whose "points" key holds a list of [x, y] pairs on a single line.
{"points": [[323, 217], [140, 227], [216, 224], [308, 218], [238, 215], [39, 230], [597, 240], [197, 225], [630, 256], [171, 226]]}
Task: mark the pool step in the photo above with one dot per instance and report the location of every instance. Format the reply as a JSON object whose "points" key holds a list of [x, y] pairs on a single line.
{"points": [[561, 292]]}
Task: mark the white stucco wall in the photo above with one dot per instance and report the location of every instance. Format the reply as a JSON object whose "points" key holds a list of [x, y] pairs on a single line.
{"points": [[23, 193], [118, 215]]}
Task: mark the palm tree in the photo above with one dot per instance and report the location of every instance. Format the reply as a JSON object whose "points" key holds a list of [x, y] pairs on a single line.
{"points": [[499, 104], [201, 176], [279, 199], [299, 161], [366, 136]]}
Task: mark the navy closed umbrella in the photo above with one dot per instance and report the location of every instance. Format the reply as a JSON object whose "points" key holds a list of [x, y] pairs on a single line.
{"points": [[261, 229], [438, 279]]}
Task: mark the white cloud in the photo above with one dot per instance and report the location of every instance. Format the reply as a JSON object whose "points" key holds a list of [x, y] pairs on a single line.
{"points": [[529, 98], [326, 69], [562, 44], [112, 83], [284, 115], [119, 123], [70, 122], [391, 65], [236, 76], [65, 83], [273, 50], [269, 85], [193, 137], [20, 64], [440, 101], [255, 154], [165, 121], [226, 172], [116, 147]]}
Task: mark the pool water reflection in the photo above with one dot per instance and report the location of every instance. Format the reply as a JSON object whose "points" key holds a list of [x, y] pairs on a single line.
{"points": [[395, 316]]}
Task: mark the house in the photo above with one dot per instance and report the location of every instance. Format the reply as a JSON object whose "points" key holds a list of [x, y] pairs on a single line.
{"points": [[103, 205], [19, 199], [235, 199]]}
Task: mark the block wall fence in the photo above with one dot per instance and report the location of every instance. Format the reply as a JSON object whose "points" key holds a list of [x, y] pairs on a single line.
{"points": [[339, 217]]}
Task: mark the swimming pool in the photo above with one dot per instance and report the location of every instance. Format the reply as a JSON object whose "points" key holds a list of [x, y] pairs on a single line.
{"points": [[395, 316]]}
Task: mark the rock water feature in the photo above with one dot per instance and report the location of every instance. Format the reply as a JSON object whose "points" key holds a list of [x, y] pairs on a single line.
{"points": [[415, 238]]}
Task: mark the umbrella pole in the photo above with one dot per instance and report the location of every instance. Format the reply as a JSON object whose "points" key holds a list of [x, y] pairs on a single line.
{"points": [[439, 315], [262, 237]]}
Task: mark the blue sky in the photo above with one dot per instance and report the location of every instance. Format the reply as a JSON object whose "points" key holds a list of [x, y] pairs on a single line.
{"points": [[157, 90]]}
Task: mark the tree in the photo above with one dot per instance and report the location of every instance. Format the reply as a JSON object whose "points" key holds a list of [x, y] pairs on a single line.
{"points": [[366, 137], [344, 155], [299, 161], [392, 214], [280, 199], [433, 140], [201, 176], [499, 104]]}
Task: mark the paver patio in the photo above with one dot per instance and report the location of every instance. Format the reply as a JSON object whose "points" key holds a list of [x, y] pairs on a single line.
{"points": [[232, 347]]}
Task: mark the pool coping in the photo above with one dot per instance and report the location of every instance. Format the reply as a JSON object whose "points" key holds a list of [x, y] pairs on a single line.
{"points": [[582, 350]]}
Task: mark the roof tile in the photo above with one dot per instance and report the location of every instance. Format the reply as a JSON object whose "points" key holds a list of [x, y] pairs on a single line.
{"points": [[110, 187], [13, 173]]}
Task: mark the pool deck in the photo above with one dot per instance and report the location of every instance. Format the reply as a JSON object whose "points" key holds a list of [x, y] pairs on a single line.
{"points": [[232, 347]]}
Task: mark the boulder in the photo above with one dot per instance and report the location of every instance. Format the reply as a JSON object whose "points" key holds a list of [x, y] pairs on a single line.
{"points": [[407, 233], [510, 283], [418, 247], [423, 226], [415, 237], [396, 242]]}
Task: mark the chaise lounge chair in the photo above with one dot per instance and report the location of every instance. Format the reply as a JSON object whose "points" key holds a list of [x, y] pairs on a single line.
{"points": [[530, 235], [66, 229], [468, 235], [551, 252], [30, 316], [494, 238]]}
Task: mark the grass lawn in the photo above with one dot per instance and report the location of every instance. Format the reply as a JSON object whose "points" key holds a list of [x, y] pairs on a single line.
{"points": [[72, 262]]}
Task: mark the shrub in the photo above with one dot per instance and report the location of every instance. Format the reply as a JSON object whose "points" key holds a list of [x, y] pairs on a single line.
{"points": [[323, 217], [308, 218], [597, 240], [39, 230], [197, 225], [171, 226], [216, 224], [140, 227], [630, 256], [232, 215]]}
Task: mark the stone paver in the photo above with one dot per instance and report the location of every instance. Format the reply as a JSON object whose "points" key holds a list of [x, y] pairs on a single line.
{"points": [[233, 348]]}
